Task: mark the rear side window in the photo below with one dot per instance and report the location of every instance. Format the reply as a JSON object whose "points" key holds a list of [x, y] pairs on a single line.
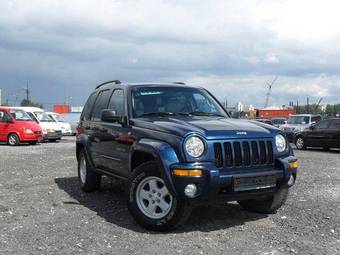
{"points": [[316, 119], [335, 124], [117, 102], [86, 114], [101, 103], [322, 124], [4, 116]]}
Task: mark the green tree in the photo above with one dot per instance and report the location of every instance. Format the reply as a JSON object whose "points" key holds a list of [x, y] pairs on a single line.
{"points": [[26, 102]]}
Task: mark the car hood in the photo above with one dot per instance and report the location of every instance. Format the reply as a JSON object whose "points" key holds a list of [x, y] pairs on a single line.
{"points": [[293, 127], [49, 125], [29, 125], [209, 127]]}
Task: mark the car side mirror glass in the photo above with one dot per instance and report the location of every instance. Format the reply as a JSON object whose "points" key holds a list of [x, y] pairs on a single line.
{"points": [[110, 116]]}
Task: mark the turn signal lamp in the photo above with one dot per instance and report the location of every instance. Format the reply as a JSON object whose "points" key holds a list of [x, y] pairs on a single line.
{"points": [[188, 173], [293, 164]]}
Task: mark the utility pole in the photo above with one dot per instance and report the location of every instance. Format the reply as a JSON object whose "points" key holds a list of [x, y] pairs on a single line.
{"points": [[27, 91], [307, 104]]}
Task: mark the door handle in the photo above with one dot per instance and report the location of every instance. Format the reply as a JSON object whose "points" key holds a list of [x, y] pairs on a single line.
{"points": [[95, 129]]}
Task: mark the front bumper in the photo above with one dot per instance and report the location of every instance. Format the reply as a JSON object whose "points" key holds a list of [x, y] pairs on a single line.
{"points": [[290, 136], [35, 137], [217, 184], [56, 135]]}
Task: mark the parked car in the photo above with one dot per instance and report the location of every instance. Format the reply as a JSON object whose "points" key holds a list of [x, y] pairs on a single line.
{"points": [[176, 147], [73, 119], [297, 123], [61, 122], [325, 134], [49, 128], [267, 121], [278, 122], [16, 127]]}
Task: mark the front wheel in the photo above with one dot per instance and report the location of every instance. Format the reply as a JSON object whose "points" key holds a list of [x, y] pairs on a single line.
{"points": [[300, 143], [88, 179], [150, 202], [13, 140], [269, 204]]}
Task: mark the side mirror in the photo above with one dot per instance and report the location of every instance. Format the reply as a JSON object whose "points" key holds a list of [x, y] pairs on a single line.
{"points": [[312, 127], [110, 116], [10, 121], [313, 122]]}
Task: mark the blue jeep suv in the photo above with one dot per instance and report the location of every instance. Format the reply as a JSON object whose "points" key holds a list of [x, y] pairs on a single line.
{"points": [[176, 147]]}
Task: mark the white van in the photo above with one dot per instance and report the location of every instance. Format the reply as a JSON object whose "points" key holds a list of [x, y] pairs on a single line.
{"points": [[62, 123], [51, 130]]}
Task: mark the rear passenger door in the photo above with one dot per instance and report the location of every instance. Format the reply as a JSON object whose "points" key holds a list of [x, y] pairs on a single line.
{"points": [[97, 131], [118, 138], [334, 131]]}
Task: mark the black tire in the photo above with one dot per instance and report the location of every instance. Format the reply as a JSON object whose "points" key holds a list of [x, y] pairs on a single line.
{"points": [[300, 143], [92, 179], [52, 140], [32, 143], [326, 148], [13, 140], [178, 213], [270, 204]]}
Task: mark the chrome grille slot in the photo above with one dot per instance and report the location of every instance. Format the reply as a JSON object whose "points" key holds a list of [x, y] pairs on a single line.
{"points": [[243, 153]]}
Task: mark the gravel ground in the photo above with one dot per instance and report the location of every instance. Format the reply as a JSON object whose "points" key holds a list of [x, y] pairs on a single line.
{"points": [[43, 211]]}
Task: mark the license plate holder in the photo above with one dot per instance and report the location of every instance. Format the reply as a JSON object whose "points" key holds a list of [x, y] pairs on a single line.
{"points": [[248, 183]]}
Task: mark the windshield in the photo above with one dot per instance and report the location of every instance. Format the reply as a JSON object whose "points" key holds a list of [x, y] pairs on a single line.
{"points": [[298, 120], [174, 100], [58, 118], [43, 117], [20, 115], [278, 121]]}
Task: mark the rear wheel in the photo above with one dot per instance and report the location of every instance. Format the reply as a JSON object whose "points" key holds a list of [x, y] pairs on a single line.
{"points": [[32, 143], [150, 202], [13, 140], [300, 143], [269, 204], [89, 180]]}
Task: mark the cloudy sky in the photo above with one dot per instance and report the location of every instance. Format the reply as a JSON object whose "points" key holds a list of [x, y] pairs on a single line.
{"points": [[233, 48]]}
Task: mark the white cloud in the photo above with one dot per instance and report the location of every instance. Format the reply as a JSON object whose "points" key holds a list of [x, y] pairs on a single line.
{"points": [[233, 46]]}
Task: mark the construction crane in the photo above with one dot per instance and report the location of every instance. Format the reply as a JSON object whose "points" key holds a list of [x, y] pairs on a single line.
{"points": [[318, 104], [270, 85]]}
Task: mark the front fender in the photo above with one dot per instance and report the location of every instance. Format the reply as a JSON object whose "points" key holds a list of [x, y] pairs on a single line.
{"points": [[165, 156]]}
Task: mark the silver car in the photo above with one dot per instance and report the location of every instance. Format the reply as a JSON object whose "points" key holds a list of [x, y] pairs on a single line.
{"points": [[297, 123]]}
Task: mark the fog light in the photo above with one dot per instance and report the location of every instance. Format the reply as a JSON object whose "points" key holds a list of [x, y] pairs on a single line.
{"points": [[291, 180], [190, 190]]}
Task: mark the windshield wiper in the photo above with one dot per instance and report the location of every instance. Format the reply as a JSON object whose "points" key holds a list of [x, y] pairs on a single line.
{"points": [[197, 113], [158, 114]]}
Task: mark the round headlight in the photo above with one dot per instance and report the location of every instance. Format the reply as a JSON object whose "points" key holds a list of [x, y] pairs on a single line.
{"points": [[281, 143], [194, 146]]}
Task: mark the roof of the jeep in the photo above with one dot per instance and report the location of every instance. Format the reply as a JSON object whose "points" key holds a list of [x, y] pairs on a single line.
{"points": [[148, 84]]}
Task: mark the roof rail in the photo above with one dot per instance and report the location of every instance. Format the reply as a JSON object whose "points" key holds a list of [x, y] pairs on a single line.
{"points": [[114, 81], [179, 82]]}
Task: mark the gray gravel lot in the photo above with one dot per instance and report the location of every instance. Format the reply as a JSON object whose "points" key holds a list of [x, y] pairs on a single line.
{"points": [[43, 211]]}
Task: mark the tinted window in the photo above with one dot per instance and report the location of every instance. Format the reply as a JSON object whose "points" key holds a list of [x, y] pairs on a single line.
{"points": [[335, 124], [86, 114], [117, 102], [174, 100], [101, 103], [322, 124], [316, 119]]}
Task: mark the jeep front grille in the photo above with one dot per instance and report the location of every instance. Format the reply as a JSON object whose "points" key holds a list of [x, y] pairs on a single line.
{"points": [[243, 153]]}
